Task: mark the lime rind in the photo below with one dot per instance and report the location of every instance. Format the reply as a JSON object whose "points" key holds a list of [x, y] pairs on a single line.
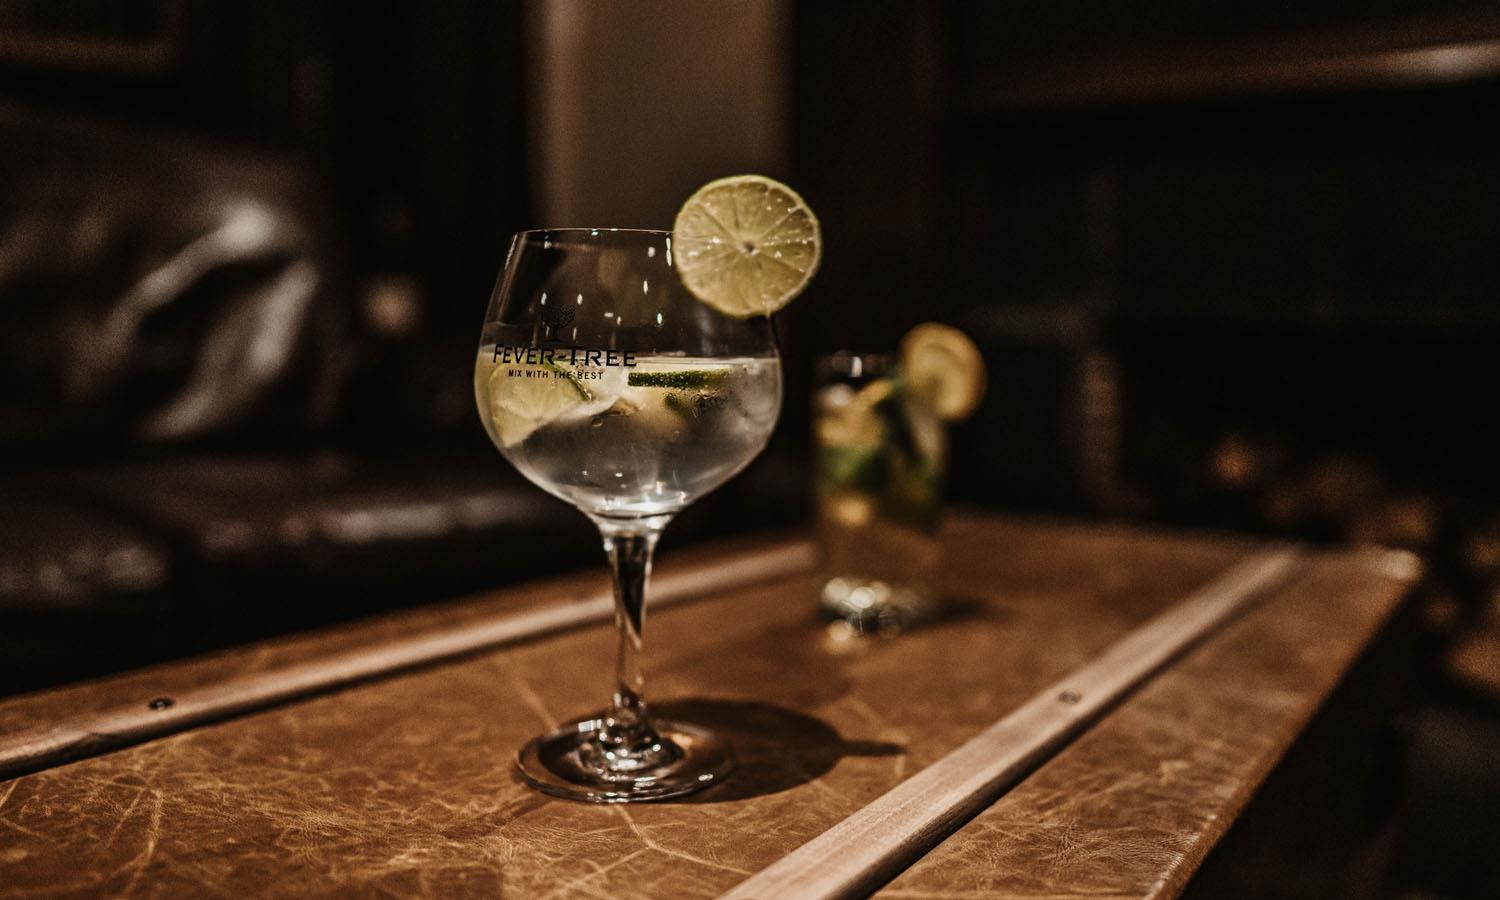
{"points": [[681, 380]]}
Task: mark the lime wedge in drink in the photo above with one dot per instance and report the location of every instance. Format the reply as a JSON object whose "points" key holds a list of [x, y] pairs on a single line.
{"points": [[746, 245], [524, 398]]}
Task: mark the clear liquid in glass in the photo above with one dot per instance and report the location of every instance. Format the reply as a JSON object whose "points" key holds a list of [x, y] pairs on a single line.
{"points": [[633, 440]]}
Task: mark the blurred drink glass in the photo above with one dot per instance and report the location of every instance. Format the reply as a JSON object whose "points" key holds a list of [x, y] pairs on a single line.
{"points": [[881, 459]]}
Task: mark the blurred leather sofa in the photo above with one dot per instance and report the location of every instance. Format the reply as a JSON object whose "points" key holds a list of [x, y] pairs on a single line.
{"points": [[205, 439]]}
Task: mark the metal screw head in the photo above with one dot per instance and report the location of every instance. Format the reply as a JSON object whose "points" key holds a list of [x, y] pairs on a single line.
{"points": [[161, 703]]}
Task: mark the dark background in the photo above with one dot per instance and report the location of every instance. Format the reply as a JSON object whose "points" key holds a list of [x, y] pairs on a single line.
{"points": [[1231, 266]]}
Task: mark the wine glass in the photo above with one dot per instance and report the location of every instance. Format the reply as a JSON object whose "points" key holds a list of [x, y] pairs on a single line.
{"points": [[609, 385]]}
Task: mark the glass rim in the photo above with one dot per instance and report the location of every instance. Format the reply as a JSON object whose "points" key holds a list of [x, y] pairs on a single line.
{"points": [[528, 233], [855, 364]]}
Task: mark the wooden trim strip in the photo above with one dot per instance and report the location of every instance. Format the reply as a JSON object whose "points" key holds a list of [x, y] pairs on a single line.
{"points": [[134, 723], [868, 848]]}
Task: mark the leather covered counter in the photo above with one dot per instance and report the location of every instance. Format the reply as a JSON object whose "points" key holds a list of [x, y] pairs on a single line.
{"points": [[402, 786]]}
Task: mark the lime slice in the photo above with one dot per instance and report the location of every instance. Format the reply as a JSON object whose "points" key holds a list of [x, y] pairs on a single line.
{"points": [[681, 380], [943, 369], [667, 398], [525, 399], [746, 245]]}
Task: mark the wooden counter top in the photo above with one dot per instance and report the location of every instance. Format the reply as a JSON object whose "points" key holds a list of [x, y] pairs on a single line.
{"points": [[403, 786]]}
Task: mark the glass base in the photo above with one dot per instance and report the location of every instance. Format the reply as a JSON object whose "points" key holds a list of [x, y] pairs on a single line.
{"points": [[871, 606], [557, 763]]}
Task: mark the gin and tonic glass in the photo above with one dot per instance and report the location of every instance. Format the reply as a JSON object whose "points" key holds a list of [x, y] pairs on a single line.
{"points": [[609, 385]]}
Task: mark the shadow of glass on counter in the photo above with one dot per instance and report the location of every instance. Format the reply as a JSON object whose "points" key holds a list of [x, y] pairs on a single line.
{"points": [[775, 748]]}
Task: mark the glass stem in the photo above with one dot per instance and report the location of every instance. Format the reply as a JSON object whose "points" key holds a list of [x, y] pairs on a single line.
{"points": [[627, 740]]}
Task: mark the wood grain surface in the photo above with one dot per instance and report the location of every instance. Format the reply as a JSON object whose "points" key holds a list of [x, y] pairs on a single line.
{"points": [[403, 786]]}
